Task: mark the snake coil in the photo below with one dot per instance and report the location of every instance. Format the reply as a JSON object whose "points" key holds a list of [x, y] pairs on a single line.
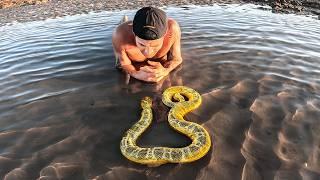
{"points": [[173, 97]]}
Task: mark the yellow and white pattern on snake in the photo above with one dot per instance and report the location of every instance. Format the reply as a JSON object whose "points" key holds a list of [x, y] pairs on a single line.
{"points": [[155, 156]]}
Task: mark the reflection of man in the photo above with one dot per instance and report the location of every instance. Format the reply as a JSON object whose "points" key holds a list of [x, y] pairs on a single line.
{"points": [[148, 48]]}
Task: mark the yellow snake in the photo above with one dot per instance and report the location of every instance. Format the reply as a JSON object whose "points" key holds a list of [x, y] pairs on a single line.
{"points": [[173, 97]]}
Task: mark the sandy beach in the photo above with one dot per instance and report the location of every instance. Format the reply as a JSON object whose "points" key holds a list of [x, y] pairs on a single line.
{"points": [[31, 10]]}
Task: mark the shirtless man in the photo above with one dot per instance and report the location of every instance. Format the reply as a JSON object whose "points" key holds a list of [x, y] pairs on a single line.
{"points": [[148, 48]]}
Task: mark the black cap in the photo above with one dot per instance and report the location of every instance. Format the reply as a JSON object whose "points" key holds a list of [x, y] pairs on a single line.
{"points": [[150, 23]]}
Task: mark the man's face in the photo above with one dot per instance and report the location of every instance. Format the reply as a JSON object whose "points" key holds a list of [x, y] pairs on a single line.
{"points": [[149, 48]]}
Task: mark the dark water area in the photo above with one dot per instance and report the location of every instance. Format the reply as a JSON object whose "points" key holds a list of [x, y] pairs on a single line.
{"points": [[64, 107]]}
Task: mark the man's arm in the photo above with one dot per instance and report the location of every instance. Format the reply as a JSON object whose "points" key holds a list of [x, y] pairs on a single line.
{"points": [[173, 58], [120, 53]]}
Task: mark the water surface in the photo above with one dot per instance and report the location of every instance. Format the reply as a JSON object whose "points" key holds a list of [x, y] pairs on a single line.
{"points": [[64, 108]]}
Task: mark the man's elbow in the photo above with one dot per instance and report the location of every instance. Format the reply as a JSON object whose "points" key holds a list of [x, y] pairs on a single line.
{"points": [[179, 60]]}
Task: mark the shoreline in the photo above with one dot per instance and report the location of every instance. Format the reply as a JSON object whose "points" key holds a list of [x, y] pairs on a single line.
{"points": [[60, 8]]}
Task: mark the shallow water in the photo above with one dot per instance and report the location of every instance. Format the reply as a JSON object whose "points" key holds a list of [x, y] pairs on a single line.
{"points": [[64, 108]]}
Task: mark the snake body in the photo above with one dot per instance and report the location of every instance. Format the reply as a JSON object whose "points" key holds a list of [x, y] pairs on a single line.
{"points": [[173, 97]]}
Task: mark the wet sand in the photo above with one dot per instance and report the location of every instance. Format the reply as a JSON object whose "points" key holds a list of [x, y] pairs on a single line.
{"points": [[59, 8], [19, 3]]}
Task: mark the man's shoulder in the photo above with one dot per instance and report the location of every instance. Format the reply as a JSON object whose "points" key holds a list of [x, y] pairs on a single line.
{"points": [[123, 29], [122, 35], [174, 25], [173, 22]]}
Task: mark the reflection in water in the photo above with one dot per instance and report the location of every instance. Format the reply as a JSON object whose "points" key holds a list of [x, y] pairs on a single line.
{"points": [[64, 108]]}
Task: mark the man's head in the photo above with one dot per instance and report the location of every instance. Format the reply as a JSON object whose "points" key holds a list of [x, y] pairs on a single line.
{"points": [[149, 27]]}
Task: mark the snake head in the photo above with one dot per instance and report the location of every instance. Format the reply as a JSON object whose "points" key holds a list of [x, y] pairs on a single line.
{"points": [[146, 102]]}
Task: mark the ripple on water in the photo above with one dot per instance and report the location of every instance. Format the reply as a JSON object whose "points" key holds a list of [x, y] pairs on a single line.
{"points": [[64, 108]]}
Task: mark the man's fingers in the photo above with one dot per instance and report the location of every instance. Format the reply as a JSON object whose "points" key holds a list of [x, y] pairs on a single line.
{"points": [[156, 64], [160, 78], [149, 75], [155, 79], [147, 69], [151, 79]]}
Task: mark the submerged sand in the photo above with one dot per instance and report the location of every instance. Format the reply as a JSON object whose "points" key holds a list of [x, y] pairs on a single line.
{"points": [[255, 136]]}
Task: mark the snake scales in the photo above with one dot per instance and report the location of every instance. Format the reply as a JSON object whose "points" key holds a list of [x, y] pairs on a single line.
{"points": [[173, 97]]}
